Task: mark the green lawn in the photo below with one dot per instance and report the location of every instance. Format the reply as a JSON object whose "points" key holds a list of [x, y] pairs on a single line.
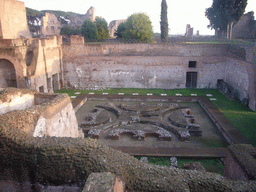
{"points": [[213, 165], [240, 116]]}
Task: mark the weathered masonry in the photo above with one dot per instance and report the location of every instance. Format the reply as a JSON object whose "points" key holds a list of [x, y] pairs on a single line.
{"points": [[167, 66], [32, 63]]}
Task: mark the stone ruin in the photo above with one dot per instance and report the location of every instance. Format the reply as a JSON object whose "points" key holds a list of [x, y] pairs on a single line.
{"points": [[113, 25], [54, 114], [189, 31], [160, 121], [38, 162], [79, 20], [245, 28]]}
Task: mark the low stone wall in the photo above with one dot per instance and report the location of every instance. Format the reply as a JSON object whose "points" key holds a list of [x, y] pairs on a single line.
{"points": [[241, 162], [12, 99], [53, 113]]}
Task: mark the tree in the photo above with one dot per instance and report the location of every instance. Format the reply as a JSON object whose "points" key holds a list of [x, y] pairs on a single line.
{"points": [[164, 21], [223, 14], [102, 28], [120, 30], [68, 31], [89, 30], [138, 26]]}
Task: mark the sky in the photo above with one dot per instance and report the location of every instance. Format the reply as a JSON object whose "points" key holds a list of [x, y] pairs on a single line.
{"points": [[180, 13]]}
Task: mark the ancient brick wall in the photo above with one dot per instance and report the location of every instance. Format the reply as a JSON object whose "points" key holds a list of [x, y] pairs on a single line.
{"points": [[241, 162], [233, 170], [245, 27], [47, 65], [141, 72], [36, 63], [159, 66], [50, 25], [13, 21]]}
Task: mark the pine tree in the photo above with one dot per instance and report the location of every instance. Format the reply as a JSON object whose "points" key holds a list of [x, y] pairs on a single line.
{"points": [[164, 21]]}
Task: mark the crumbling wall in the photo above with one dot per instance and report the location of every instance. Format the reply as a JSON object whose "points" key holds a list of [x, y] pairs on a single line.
{"points": [[45, 72], [13, 20], [245, 27], [54, 116], [79, 19], [113, 25], [11, 100], [50, 25], [58, 121], [241, 162]]}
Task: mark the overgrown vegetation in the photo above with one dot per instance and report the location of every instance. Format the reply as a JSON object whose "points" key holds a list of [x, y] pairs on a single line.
{"points": [[137, 27], [224, 14]]}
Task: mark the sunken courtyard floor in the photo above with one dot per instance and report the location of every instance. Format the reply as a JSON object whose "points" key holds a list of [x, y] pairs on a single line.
{"points": [[157, 125]]}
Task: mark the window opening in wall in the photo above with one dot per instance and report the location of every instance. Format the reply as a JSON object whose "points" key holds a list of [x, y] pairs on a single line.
{"points": [[60, 80], [7, 74], [29, 57], [52, 28], [41, 89], [192, 64]]}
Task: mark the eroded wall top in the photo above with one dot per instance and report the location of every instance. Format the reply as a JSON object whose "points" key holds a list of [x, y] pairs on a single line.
{"points": [[13, 21]]}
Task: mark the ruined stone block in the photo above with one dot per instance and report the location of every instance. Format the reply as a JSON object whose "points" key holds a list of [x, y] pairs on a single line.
{"points": [[107, 182]]}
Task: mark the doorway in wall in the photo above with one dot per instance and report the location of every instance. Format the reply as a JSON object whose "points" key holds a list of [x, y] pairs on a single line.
{"points": [[191, 80], [55, 82], [7, 74]]}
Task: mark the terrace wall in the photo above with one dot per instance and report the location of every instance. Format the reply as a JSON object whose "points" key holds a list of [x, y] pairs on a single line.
{"points": [[159, 66]]}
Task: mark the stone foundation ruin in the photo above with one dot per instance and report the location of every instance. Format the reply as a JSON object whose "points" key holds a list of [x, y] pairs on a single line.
{"points": [[155, 118], [57, 161]]}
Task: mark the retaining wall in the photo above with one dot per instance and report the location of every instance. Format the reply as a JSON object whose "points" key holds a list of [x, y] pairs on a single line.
{"points": [[159, 66]]}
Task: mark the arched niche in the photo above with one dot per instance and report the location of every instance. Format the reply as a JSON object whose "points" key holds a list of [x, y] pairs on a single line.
{"points": [[7, 74]]}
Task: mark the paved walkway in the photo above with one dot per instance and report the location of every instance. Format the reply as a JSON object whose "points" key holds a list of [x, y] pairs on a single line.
{"points": [[173, 152]]}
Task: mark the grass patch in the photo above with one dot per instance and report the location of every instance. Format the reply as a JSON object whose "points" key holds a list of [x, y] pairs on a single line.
{"points": [[130, 91], [213, 165], [232, 42], [210, 143]]}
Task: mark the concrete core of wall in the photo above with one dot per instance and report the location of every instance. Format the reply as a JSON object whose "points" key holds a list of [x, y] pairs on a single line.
{"points": [[53, 113]]}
